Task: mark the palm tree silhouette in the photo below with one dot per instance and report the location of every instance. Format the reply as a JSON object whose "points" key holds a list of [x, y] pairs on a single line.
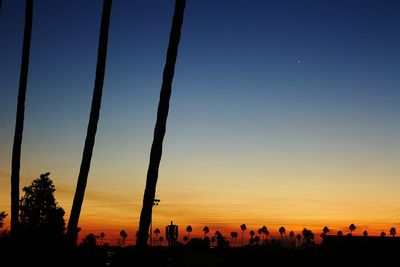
{"points": [[189, 230], [352, 228], [157, 233], [102, 235], [264, 231], [232, 237], [19, 122], [123, 235], [340, 233], [235, 237], [243, 228], [365, 233], [282, 231], [292, 240], [325, 231], [298, 237], [392, 231], [383, 234], [206, 230], [252, 233], [72, 233], [160, 127]]}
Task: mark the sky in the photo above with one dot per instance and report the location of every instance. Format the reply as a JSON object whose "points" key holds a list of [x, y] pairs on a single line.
{"points": [[282, 112]]}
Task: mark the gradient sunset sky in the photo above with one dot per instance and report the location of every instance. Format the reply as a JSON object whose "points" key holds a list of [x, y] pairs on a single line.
{"points": [[282, 112]]}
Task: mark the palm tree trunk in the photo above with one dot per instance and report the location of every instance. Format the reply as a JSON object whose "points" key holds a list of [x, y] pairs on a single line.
{"points": [[19, 124], [241, 243], [160, 127], [92, 126]]}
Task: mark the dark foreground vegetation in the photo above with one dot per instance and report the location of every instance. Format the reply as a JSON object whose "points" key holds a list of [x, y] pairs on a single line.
{"points": [[320, 255]]}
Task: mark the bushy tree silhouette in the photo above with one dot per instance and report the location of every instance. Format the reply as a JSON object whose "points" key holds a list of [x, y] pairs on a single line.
{"points": [[365, 233], [89, 241], [41, 218]]}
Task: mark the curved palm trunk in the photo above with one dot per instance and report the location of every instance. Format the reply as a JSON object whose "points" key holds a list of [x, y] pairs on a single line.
{"points": [[159, 130], [72, 229], [19, 124]]}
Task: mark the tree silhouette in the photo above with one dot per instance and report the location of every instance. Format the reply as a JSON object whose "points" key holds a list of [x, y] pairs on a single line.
{"points": [[157, 232], [292, 240], [41, 218], [189, 230], [92, 126], [19, 122], [123, 235], [252, 233], [340, 233], [89, 240], [232, 237], [235, 236], [243, 228], [3, 215], [352, 228], [160, 127], [282, 231], [102, 235], [298, 237], [325, 231], [206, 230], [264, 231], [383, 234], [365, 233], [392, 231]]}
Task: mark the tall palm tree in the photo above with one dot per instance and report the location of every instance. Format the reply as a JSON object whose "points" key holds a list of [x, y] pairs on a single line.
{"points": [[189, 230], [206, 230], [243, 228], [160, 127], [92, 126], [19, 123]]}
